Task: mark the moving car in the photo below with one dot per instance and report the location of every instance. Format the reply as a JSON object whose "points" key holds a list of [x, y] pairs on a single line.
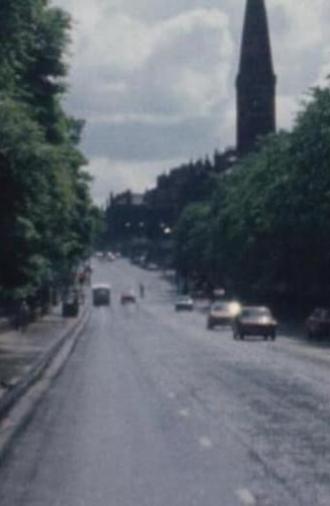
{"points": [[222, 313], [128, 297], [101, 294], [184, 303], [110, 256], [318, 323], [255, 320]]}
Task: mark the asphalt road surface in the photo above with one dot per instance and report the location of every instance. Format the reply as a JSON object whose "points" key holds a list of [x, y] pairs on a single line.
{"points": [[154, 410]]}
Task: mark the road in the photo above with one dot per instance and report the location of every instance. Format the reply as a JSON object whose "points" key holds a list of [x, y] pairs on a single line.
{"points": [[154, 410]]}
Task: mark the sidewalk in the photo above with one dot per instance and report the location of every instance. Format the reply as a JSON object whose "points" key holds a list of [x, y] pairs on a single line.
{"points": [[22, 354]]}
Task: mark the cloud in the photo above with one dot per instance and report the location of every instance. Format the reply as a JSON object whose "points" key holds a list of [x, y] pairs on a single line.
{"points": [[152, 142], [177, 66], [287, 107], [155, 80], [299, 33], [324, 70], [304, 27], [151, 91]]}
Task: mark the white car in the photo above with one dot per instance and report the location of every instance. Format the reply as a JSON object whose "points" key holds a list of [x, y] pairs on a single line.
{"points": [[184, 303]]}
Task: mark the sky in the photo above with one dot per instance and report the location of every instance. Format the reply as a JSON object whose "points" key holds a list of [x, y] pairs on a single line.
{"points": [[155, 79]]}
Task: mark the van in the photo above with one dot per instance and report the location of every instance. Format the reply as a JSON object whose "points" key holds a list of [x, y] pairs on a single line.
{"points": [[101, 294]]}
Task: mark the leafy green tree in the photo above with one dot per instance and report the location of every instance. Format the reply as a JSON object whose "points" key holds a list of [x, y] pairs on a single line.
{"points": [[45, 209], [273, 219], [266, 229], [191, 239]]}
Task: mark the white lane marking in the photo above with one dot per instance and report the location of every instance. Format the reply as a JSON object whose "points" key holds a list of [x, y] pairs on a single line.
{"points": [[246, 497], [184, 413], [205, 442]]}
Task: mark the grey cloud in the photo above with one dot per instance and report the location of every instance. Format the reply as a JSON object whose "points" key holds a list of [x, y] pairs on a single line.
{"points": [[155, 80], [143, 142]]}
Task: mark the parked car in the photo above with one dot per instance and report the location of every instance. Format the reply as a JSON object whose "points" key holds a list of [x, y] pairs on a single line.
{"points": [[184, 303], [70, 306], [101, 294], [222, 313], [318, 323], [255, 320], [128, 297]]}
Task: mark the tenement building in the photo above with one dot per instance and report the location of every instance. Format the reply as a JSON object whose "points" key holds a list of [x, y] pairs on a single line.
{"points": [[256, 81]]}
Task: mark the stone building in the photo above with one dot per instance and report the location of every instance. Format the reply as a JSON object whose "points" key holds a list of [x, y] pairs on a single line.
{"points": [[256, 81]]}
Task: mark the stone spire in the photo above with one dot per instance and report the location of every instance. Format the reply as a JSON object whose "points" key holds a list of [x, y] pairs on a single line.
{"points": [[256, 80]]}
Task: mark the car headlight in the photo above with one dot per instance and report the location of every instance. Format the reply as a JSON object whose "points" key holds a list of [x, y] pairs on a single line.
{"points": [[234, 308]]}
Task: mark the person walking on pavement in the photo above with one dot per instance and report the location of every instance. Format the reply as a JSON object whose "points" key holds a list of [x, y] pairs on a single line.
{"points": [[23, 316], [141, 290]]}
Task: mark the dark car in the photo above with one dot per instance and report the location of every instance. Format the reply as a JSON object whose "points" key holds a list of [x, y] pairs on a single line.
{"points": [[184, 303], [255, 320], [101, 295], [222, 313], [318, 323]]}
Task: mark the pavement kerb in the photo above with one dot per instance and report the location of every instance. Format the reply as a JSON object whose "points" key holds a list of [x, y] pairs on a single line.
{"points": [[27, 388]]}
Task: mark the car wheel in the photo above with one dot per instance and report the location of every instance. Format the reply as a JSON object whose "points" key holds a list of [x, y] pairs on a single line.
{"points": [[209, 326], [241, 336]]}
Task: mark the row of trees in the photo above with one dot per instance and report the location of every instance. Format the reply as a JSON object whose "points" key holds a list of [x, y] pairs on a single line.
{"points": [[266, 229], [46, 217]]}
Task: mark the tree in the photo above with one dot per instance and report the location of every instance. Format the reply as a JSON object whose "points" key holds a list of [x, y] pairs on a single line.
{"points": [[266, 228], [191, 242], [45, 209]]}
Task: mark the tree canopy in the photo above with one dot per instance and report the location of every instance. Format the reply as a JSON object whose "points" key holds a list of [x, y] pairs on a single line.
{"points": [[267, 227], [45, 207]]}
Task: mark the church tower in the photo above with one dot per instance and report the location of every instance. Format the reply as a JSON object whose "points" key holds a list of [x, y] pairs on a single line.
{"points": [[256, 81]]}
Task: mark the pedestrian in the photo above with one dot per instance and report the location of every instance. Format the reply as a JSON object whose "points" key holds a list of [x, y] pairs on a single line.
{"points": [[88, 274], [141, 290], [82, 278], [23, 316]]}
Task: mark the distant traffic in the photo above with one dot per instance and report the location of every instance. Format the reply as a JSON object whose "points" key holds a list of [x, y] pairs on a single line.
{"points": [[221, 311]]}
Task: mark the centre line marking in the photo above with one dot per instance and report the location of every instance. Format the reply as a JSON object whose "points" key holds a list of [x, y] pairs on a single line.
{"points": [[246, 497]]}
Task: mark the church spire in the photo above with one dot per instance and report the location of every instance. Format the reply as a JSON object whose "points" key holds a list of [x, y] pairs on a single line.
{"points": [[256, 80]]}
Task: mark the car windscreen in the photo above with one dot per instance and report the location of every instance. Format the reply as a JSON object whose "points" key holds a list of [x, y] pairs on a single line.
{"points": [[101, 292], [220, 307], [255, 312]]}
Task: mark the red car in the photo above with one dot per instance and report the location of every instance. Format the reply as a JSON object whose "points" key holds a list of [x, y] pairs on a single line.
{"points": [[318, 323], [255, 320], [128, 298]]}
